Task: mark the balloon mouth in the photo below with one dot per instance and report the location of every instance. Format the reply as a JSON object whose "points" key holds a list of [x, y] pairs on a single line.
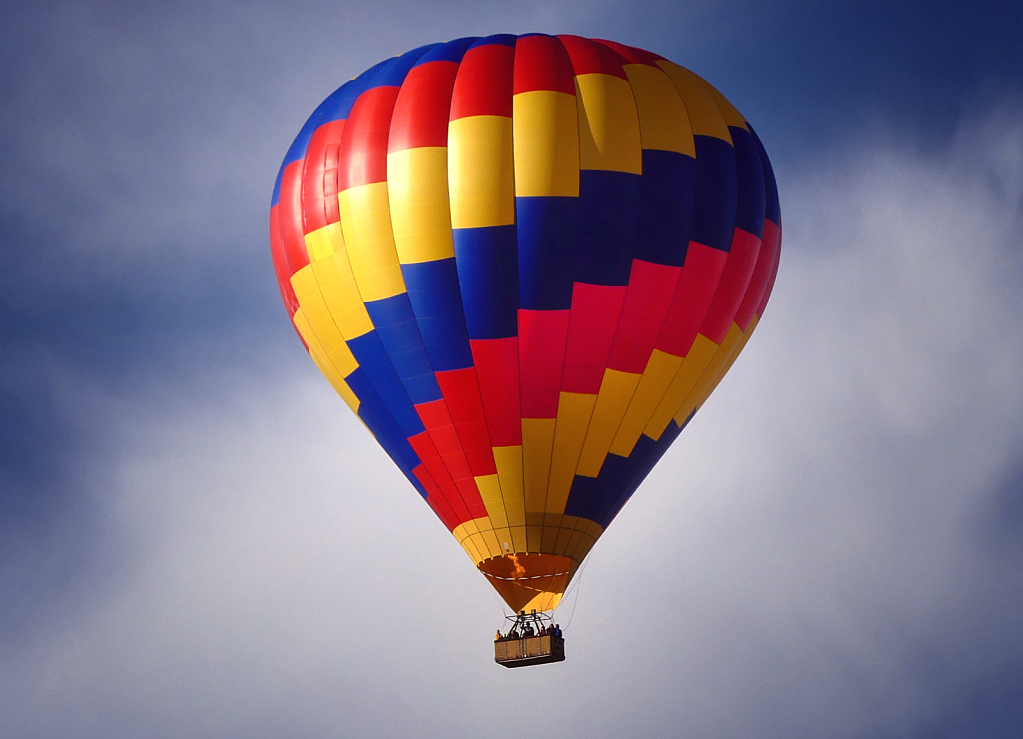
{"points": [[530, 581]]}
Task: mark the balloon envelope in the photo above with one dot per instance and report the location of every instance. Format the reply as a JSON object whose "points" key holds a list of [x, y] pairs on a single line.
{"points": [[525, 262]]}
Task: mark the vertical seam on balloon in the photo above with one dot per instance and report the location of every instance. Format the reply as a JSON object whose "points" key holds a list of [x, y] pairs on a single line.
{"points": [[550, 461], [689, 394], [389, 359], [711, 301], [734, 352], [426, 354], [737, 349], [376, 390], [665, 320], [475, 383], [618, 322], [486, 421]]}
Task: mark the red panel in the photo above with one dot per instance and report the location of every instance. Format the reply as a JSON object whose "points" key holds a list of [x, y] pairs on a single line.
{"points": [[734, 280], [319, 193], [541, 63], [434, 499], [767, 258], [589, 57], [772, 233], [441, 428], [497, 370], [701, 273], [462, 395], [292, 236], [280, 262], [542, 338], [362, 159], [630, 54], [483, 85], [591, 332], [423, 446], [422, 107], [647, 299]]}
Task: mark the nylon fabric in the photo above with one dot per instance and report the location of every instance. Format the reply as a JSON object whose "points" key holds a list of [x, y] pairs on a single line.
{"points": [[525, 263]]}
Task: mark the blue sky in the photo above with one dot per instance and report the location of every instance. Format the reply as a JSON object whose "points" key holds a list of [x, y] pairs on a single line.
{"points": [[189, 518]]}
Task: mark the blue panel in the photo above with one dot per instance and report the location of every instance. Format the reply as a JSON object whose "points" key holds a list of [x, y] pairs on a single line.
{"points": [[666, 207], [749, 207], [504, 39], [396, 326], [275, 197], [334, 108], [373, 360], [437, 304], [348, 92], [378, 419], [392, 74], [716, 190], [773, 207], [608, 215], [546, 230], [488, 278], [452, 51]]}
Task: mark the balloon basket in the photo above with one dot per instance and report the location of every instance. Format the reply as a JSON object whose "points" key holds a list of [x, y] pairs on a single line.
{"points": [[532, 640]]}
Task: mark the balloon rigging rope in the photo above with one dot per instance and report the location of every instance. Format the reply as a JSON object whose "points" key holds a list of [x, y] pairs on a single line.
{"points": [[575, 589]]}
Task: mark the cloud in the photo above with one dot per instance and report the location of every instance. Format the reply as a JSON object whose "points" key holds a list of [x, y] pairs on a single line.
{"points": [[828, 550]]}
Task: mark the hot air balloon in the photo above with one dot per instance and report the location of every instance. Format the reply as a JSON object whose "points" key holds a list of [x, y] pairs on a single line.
{"points": [[525, 262]]}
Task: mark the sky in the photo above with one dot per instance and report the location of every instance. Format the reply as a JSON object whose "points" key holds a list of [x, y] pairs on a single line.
{"points": [[197, 538]]}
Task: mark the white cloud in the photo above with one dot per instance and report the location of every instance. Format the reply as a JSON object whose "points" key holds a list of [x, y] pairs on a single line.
{"points": [[805, 562]]}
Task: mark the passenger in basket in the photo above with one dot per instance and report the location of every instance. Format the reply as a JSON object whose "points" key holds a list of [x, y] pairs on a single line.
{"points": [[498, 637]]}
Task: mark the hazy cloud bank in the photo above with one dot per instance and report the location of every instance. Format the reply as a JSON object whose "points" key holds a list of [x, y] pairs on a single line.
{"points": [[825, 552]]}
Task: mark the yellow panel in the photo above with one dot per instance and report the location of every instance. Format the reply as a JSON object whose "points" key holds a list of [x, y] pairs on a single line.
{"points": [[329, 260], [543, 602], [519, 536], [564, 539], [490, 491], [732, 116], [533, 535], [575, 544], [663, 120], [494, 549], [549, 539], [608, 124], [574, 410], [592, 528], [366, 224], [722, 360], [343, 359], [537, 443], [682, 384], [467, 545], [322, 361], [585, 545], [481, 180], [616, 391], [704, 115], [315, 310], [546, 144], [480, 545], [657, 377], [509, 473], [318, 245], [417, 187]]}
